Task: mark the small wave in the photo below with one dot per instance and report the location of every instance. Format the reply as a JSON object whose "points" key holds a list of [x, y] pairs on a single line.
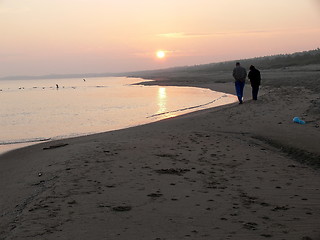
{"points": [[187, 108], [31, 140]]}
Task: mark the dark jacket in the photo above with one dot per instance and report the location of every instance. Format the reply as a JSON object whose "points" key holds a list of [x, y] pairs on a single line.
{"points": [[254, 76]]}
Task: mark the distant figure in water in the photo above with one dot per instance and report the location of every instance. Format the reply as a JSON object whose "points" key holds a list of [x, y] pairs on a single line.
{"points": [[84, 79], [57, 86], [255, 80], [239, 74]]}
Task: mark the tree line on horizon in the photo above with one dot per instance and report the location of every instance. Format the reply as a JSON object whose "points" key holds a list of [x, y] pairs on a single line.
{"points": [[275, 61], [266, 62]]}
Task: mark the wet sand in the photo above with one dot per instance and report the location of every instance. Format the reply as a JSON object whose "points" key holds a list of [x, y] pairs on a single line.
{"points": [[234, 172]]}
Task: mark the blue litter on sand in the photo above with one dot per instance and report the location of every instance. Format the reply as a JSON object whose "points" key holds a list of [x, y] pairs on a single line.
{"points": [[298, 120]]}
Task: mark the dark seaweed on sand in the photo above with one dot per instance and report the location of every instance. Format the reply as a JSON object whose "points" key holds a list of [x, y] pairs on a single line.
{"points": [[174, 171], [122, 208]]}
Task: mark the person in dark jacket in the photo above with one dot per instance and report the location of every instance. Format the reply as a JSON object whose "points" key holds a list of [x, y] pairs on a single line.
{"points": [[255, 80]]}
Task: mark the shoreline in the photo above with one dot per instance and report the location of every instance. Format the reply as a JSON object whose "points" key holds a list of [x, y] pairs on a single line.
{"points": [[17, 143], [232, 172]]}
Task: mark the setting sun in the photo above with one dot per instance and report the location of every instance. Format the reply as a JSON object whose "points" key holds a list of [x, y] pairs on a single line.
{"points": [[161, 54]]}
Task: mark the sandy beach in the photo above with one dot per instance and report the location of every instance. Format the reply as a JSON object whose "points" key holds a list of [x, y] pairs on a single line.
{"points": [[234, 172]]}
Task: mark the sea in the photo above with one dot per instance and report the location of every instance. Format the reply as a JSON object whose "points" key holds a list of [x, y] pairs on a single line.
{"points": [[33, 111]]}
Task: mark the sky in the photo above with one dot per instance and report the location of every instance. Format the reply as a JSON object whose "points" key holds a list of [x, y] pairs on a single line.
{"points": [[97, 36]]}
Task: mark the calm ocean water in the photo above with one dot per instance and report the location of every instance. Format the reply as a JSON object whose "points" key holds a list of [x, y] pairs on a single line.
{"points": [[40, 110]]}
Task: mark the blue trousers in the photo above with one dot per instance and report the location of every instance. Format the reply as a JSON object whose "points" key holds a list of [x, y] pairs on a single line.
{"points": [[239, 89]]}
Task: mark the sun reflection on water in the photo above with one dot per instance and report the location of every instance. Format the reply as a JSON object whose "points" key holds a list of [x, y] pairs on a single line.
{"points": [[162, 100], [162, 104]]}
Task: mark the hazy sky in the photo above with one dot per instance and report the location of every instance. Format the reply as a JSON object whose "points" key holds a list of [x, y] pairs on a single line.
{"points": [[81, 36]]}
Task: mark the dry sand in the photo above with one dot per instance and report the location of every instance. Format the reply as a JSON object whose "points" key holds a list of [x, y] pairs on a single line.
{"points": [[234, 172]]}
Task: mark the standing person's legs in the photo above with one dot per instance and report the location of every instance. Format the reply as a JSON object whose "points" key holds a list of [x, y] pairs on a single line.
{"points": [[239, 89], [255, 90]]}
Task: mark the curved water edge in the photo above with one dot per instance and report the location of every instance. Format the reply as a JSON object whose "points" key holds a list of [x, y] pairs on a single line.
{"points": [[195, 108], [18, 141], [78, 108], [9, 145]]}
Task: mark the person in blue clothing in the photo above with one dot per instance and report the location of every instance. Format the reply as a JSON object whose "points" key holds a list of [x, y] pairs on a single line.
{"points": [[239, 74], [255, 80]]}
